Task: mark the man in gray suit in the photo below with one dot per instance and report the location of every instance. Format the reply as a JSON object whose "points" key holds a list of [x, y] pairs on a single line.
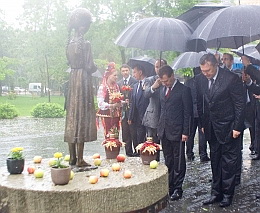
{"points": [[151, 116]]}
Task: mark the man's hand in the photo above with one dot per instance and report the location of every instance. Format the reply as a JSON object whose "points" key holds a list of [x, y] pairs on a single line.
{"points": [[156, 84], [129, 122], [236, 134], [184, 138]]}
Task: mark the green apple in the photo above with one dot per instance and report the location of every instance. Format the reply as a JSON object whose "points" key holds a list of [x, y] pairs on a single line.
{"points": [[67, 157], [153, 164], [72, 174], [38, 173], [104, 172], [97, 162], [37, 159], [93, 179], [52, 161]]}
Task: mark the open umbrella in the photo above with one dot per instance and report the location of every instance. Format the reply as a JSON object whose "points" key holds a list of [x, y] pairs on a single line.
{"points": [[199, 12], [156, 33], [190, 59], [230, 27], [146, 62], [258, 47], [250, 51]]}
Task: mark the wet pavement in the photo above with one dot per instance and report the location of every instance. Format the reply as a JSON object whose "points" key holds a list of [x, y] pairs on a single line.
{"points": [[45, 136]]}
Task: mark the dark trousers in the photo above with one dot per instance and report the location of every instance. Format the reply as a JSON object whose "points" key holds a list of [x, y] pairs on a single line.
{"points": [[224, 161], [174, 155], [239, 158], [151, 132], [202, 141], [140, 130], [129, 136], [257, 134]]}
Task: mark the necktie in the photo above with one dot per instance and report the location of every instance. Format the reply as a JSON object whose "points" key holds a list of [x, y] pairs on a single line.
{"points": [[168, 92], [139, 90], [211, 82], [125, 82]]}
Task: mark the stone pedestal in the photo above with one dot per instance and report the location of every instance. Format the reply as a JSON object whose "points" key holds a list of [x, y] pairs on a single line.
{"points": [[146, 190]]}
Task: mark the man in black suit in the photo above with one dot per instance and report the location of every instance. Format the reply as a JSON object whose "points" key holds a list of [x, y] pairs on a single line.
{"points": [[174, 127], [221, 104], [139, 104], [128, 131]]}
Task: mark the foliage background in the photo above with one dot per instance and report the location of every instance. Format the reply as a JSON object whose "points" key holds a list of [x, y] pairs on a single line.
{"points": [[35, 51]]}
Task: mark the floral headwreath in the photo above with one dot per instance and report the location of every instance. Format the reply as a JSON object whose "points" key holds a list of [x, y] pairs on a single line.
{"points": [[111, 67]]}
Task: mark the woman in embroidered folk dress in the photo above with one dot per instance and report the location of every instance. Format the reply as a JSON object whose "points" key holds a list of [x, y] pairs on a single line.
{"points": [[109, 100]]}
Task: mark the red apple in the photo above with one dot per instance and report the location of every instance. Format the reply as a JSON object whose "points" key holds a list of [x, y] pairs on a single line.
{"points": [[116, 167], [104, 172], [127, 174], [93, 179], [30, 169], [37, 159], [121, 158], [96, 155]]}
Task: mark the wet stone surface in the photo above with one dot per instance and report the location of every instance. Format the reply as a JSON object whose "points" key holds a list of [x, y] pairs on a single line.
{"points": [[45, 136]]}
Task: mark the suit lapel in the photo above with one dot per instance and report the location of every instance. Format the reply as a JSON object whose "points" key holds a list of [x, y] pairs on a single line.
{"points": [[217, 83]]}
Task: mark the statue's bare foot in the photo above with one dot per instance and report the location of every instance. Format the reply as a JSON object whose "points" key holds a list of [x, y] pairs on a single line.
{"points": [[82, 163]]}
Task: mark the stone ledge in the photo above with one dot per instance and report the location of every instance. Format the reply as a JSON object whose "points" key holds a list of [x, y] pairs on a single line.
{"points": [[26, 194]]}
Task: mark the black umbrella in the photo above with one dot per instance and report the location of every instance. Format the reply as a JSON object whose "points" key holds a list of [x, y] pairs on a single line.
{"points": [[250, 51], [146, 62], [190, 59], [199, 12], [156, 33], [258, 47], [230, 27]]}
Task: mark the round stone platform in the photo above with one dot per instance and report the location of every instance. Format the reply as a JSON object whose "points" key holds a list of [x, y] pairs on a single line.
{"points": [[146, 191]]}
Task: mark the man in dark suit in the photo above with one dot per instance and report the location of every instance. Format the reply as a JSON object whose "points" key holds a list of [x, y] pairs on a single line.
{"points": [[221, 104], [174, 127], [139, 104], [128, 131]]}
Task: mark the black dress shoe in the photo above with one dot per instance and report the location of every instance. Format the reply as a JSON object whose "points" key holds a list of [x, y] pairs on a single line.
{"points": [[204, 159], [176, 195], [257, 196], [226, 202], [212, 199], [257, 157], [190, 158]]}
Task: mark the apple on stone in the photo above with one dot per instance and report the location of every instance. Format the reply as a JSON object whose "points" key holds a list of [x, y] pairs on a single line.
{"points": [[30, 169], [38, 173], [127, 174], [104, 172], [93, 179], [52, 161], [116, 167], [96, 155], [153, 164], [37, 159], [67, 157], [72, 174], [121, 158], [97, 161]]}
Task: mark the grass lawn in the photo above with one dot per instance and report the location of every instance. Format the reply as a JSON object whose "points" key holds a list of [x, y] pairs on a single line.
{"points": [[24, 103]]}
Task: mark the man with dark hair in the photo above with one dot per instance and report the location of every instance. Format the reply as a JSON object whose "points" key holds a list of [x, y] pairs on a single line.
{"points": [[128, 131], [228, 61], [221, 103], [174, 127], [139, 104]]}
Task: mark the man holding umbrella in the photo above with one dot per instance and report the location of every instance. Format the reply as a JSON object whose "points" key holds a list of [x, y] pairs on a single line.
{"points": [[221, 103]]}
